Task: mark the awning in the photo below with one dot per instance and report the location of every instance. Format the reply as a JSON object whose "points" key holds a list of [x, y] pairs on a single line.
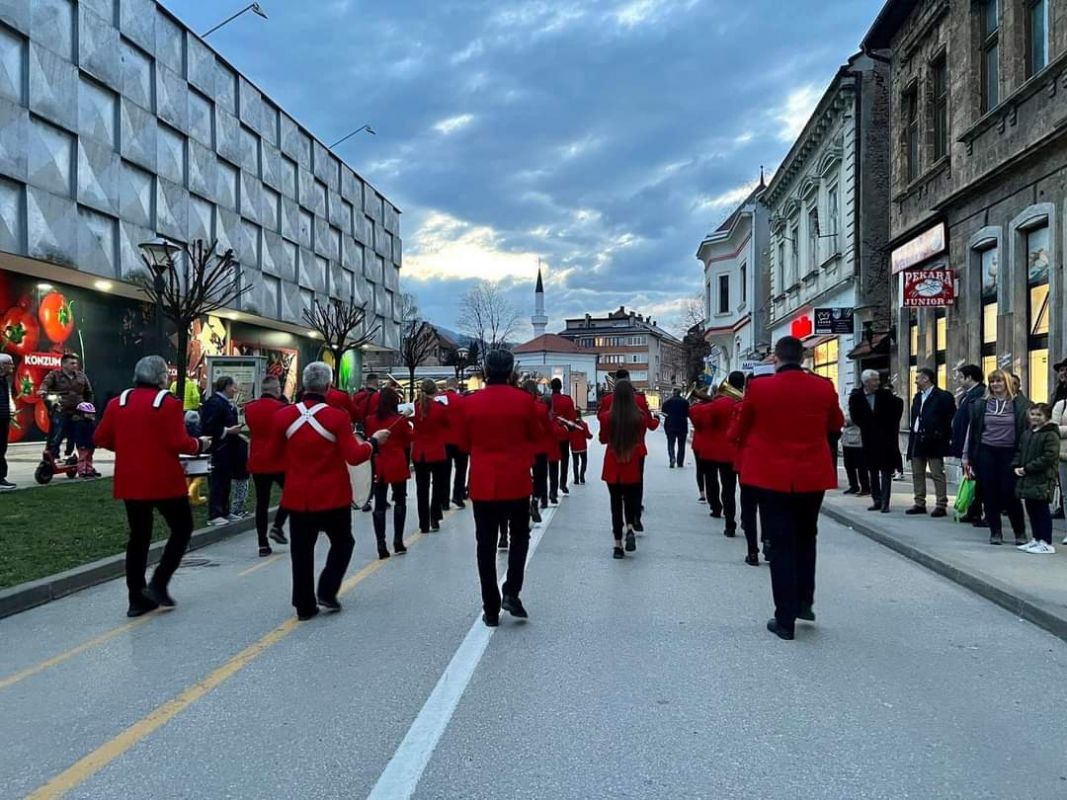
{"points": [[877, 346], [814, 341]]}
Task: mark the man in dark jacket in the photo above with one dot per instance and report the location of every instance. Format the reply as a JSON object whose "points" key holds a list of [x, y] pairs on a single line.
{"points": [[218, 420], [676, 426], [877, 412], [929, 439], [973, 382]]}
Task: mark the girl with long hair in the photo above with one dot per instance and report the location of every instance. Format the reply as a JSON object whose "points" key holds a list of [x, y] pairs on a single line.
{"points": [[391, 469], [430, 458], [996, 427], [623, 431]]}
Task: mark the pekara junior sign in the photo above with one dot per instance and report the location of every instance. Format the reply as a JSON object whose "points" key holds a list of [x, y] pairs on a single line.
{"points": [[928, 288]]}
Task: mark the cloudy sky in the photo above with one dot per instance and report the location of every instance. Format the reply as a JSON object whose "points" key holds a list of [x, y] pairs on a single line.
{"points": [[605, 137]]}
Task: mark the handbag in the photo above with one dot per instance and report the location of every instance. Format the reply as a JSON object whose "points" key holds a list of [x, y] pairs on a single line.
{"points": [[964, 498]]}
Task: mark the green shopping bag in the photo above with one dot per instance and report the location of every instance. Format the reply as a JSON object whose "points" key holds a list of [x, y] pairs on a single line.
{"points": [[964, 498]]}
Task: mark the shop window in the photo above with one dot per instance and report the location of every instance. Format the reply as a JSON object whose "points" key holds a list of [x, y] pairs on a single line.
{"points": [[824, 360], [990, 309], [1038, 312], [1036, 36], [939, 106], [913, 350], [989, 28], [941, 347]]}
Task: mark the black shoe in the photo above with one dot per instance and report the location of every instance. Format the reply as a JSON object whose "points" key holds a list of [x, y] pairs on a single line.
{"points": [[779, 630], [939, 512], [638, 526], [330, 604], [502, 544], [159, 596], [631, 542], [863, 493], [996, 538], [141, 607], [851, 490], [1020, 540], [513, 606], [398, 547], [278, 535], [716, 514], [916, 510], [875, 507], [752, 559], [806, 614], [730, 533], [554, 501], [885, 509], [980, 523], [435, 526], [307, 614], [544, 504], [383, 552], [672, 465], [367, 508], [564, 489], [265, 551], [616, 552], [535, 513], [423, 530], [490, 620], [1058, 514]]}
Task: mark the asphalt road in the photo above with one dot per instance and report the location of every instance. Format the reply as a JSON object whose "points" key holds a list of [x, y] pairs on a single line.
{"points": [[652, 677]]}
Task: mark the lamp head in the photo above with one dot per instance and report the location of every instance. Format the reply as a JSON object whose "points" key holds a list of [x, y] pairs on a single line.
{"points": [[258, 10], [160, 254]]}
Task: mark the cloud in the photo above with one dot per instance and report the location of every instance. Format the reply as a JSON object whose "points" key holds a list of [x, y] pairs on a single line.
{"points": [[452, 124], [795, 112], [448, 248]]}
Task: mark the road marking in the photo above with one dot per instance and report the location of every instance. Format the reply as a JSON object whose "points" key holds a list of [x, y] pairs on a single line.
{"points": [[29, 672], [405, 768], [270, 560], [95, 761]]}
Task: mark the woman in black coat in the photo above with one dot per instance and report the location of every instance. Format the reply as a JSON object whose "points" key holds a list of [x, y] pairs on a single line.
{"points": [[877, 412]]}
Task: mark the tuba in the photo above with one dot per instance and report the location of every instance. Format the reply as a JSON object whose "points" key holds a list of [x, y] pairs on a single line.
{"points": [[729, 390]]}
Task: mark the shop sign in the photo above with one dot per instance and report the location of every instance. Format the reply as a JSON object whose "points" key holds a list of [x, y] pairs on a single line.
{"points": [[801, 327], [834, 321], [927, 288], [926, 245]]}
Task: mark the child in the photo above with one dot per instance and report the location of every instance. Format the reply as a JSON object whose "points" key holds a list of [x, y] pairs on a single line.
{"points": [[1036, 462], [82, 424], [579, 435]]}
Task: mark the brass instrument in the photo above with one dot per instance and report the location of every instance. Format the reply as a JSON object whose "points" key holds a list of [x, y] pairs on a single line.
{"points": [[728, 389], [698, 390]]}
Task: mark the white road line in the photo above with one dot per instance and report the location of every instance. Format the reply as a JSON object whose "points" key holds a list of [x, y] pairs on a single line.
{"points": [[401, 775]]}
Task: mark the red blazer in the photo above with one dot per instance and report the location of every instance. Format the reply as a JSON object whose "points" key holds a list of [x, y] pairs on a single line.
{"points": [[733, 435], [359, 404], [341, 400], [563, 405], [146, 434], [785, 423], [547, 443], [604, 412], [579, 437], [259, 416], [616, 471], [501, 432], [455, 417], [391, 463], [316, 475], [710, 424], [699, 415], [428, 443]]}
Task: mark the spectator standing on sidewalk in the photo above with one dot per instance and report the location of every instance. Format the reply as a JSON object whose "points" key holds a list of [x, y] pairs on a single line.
{"points": [[218, 419], [877, 411], [1060, 392], [1035, 467], [972, 382], [1059, 419], [929, 439], [7, 366], [997, 425], [71, 386], [676, 426], [859, 480]]}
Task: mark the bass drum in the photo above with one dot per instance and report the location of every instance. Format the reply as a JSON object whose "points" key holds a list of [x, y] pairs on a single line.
{"points": [[361, 477]]}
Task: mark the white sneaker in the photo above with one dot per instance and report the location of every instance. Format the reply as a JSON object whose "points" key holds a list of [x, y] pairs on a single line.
{"points": [[218, 521], [236, 517], [1026, 547], [1064, 540], [1043, 549]]}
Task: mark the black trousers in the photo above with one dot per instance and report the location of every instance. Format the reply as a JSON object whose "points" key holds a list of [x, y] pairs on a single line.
{"points": [[580, 459], [218, 488], [304, 530], [700, 474], [641, 487], [624, 506], [5, 426], [264, 482], [457, 471], [1040, 514], [676, 447], [489, 517], [791, 522], [720, 481], [856, 469], [881, 486], [994, 474], [400, 509], [178, 515], [564, 460], [431, 492], [749, 512], [540, 478]]}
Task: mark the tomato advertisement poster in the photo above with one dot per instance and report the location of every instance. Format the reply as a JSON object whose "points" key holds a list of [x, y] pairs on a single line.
{"points": [[927, 288]]}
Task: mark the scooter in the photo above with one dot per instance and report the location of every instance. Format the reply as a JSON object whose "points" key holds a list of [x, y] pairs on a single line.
{"points": [[49, 465]]}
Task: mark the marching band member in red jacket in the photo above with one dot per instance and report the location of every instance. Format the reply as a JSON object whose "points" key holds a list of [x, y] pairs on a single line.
{"points": [[565, 414], [430, 458], [263, 463], [579, 436], [500, 431], [145, 428], [315, 442], [785, 423], [391, 469], [718, 452], [540, 453], [603, 410], [457, 459], [623, 430], [361, 399], [749, 499]]}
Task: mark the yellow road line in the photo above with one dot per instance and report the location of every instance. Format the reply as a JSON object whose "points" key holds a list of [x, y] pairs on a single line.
{"points": [[11, 680], [95, 761], [270, 560]]}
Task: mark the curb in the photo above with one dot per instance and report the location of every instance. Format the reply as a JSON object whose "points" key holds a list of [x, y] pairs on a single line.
{"points": [[991, 589], [27, 595]]}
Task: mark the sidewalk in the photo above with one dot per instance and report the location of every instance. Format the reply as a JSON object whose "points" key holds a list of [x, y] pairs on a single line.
{"points": [[23, 458], [1033, 587]]}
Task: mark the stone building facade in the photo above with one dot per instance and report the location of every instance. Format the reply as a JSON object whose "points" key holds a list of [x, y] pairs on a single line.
{"points": [[829, 226], [979, 181]]}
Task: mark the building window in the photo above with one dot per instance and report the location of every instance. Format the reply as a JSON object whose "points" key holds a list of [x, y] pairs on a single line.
{"points": [[910, 104], [1036, 36], [744, 283], [1038, 311], [939, 106], [913, 348], [833, 215], [724, 294], [989, 26], [824, 360], [781, 267], [990, 309], [794, 256], [940, 346], [813, 238]]}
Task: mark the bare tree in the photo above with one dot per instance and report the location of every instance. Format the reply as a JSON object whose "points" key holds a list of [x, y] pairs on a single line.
{"points": [[487, 316], [205, 283], [690, 314], [342, 326], [417, 338]]}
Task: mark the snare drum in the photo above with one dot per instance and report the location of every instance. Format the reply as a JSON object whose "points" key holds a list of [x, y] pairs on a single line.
{"points": [[196, 466]]}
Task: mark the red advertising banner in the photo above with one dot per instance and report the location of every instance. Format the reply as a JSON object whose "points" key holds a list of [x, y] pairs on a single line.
{"points": [[928, 288]]}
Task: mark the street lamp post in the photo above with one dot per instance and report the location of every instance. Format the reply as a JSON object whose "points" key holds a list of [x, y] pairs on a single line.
{"points": [[255, 8], [360, 129], [462, 354], [159, 254]]}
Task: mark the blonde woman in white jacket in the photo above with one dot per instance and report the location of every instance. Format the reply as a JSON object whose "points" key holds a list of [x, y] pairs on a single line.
{"points": [[1059, 419]]}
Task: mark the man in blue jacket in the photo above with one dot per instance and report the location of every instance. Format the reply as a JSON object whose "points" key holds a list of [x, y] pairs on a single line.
{"points": [[972, 380], [676, 426]]}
